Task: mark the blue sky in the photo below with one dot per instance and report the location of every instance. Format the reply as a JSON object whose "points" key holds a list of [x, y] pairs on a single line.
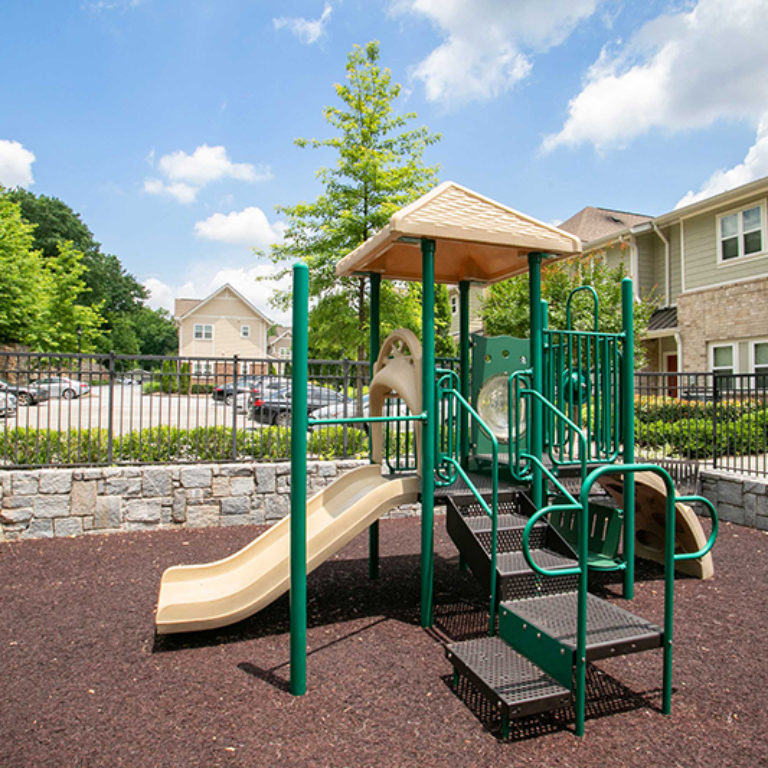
{"points": [[169, 124]]}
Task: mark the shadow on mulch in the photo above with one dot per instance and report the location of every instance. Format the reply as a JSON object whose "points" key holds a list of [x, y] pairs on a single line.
{"points": [[605, 696]]}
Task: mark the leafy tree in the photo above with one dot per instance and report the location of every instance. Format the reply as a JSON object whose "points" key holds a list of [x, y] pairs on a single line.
{"points": [[105, 284], [506, 311], [155, 332], [20, 276], [378, 170]]}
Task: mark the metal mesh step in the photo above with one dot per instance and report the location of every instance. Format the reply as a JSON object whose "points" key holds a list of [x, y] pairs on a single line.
{"points": [[513, 563], [504, 676], [611, 630]]}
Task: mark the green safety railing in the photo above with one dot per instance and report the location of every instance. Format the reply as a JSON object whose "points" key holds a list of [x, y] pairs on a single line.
{"points": [[448, 466], [581, 509]]}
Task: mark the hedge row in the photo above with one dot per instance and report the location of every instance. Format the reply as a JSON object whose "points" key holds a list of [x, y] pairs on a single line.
{"points": [[169, 444], [649, 410]]}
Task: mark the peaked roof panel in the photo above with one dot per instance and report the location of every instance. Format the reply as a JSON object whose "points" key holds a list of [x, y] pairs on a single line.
{"points": [[476, 238]]}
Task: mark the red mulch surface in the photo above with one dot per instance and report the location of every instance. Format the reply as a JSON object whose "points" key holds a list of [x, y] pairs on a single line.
{"points": [[85, 682]]}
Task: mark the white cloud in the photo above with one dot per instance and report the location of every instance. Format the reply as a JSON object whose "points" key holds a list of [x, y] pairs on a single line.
{"points": [[488, 43], [185, 174], [182, 192], [680, 71], [247, 227], [257, 283], [15, 164], [308, 31], [754, 166]]}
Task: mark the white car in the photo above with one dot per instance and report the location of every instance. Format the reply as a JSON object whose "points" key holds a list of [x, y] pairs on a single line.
{"points": [[7, 405]]}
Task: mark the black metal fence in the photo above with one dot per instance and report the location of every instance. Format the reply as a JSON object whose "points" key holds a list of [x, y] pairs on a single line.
{"points": [[80, 410], [715, 420]]}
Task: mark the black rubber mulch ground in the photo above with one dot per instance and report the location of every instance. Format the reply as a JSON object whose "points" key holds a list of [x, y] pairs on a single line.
{"points": [[83, 683]]}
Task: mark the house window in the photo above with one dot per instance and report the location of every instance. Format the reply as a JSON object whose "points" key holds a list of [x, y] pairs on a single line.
{"points": [[245, 331], [760, 363], [203, 331], [284, 352], [454, 304], [202, 367], [741, 233], [723, 363]]}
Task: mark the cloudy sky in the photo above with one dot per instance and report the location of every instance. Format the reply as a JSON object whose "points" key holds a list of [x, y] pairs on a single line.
{"points": [[169, 124]]}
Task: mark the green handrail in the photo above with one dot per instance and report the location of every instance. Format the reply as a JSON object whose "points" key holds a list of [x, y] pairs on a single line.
{"points": [[448, 394], [595, 310], [515, 469]]}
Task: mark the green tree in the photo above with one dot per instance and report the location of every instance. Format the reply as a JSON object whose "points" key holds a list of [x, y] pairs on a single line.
{"points": [[20, 276], [155, 332], [505, 309], [105, 283], [378, 170]]}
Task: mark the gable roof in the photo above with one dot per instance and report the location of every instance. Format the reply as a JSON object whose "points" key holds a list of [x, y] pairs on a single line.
{"points": [[591, 223], [202, 302], [182, 306], [476, 239]]}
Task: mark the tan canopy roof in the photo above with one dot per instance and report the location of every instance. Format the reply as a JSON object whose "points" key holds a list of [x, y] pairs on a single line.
{"points": [[476, 238]]}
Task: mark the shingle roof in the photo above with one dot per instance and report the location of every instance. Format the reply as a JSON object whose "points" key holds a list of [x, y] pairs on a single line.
{"points": [[592, 223]]}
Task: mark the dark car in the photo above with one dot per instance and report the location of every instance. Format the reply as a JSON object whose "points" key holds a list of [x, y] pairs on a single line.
{"points": [[251, 386], [275, 407], [25, 394]]}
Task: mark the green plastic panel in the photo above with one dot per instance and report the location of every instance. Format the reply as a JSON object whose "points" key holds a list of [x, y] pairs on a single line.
{"points": [[494, 356]]}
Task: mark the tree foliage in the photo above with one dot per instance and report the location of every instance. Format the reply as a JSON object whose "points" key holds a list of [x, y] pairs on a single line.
{"points": [[378, 170], [506, 310]]}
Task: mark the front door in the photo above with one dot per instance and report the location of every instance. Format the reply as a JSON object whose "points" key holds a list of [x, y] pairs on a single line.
{"points": [[670, 367]]}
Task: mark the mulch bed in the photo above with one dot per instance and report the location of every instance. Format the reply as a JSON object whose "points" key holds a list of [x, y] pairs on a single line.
{"points": [[85, 683]]}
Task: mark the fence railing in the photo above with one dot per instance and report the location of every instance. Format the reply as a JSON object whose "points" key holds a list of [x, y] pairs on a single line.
{"points": [[86, 410], [71, 409], [717, 420]]}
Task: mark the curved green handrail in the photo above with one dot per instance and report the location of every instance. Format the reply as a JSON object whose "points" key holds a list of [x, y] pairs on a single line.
{"points": [[713, 533], [532, 520], [595, 310]]}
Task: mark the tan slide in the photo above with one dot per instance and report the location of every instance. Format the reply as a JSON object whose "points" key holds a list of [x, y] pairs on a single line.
{"points": [[650, 523], [195, 597]]}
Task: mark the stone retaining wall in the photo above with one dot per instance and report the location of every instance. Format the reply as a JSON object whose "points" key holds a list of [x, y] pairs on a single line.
{"points": [[43, 503], [737, 499]]}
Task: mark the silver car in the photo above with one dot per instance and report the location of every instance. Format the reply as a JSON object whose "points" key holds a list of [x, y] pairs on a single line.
{"points": [[7, 405], [61, 386]]}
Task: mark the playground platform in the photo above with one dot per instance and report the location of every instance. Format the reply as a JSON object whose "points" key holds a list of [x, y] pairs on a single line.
{"points": [[85, 683]]}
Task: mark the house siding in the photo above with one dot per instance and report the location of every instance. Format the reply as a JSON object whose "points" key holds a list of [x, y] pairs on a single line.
{"points": [[701, 265]]}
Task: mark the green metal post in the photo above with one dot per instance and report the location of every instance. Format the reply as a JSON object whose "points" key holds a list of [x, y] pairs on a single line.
{"points": [[299, 355], [375, 329], [537, 379], [428, 427], [464, 364], [628, 432]]}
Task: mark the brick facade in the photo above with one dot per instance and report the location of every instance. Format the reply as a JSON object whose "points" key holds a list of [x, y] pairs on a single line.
{"points": [[724, 313]]}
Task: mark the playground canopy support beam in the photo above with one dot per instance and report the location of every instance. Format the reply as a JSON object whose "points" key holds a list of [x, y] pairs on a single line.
{"points": [[628, 430], [374, 343], [464, 363], [428, 433], [299, 360]]}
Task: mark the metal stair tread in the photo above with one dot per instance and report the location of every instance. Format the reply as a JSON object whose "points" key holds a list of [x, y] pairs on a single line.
{"points": [[502, 673], [483, 523], [611, 630], [510, 563]]}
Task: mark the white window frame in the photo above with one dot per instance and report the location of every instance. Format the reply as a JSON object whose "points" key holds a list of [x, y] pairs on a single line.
{"points": [[752, 345], [245, 331], [202, 336], [734, 345], [284, 352], [454, 298], [721, 262], [202, 368]]}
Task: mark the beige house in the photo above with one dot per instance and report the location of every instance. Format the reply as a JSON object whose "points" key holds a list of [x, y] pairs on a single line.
{"points": [[279, 341], [217, 328], [706, 266]]}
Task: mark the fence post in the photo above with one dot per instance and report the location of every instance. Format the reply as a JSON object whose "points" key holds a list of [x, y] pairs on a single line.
{"points": [[234, 407], [345, 377], [111, 407], [715, 397]]}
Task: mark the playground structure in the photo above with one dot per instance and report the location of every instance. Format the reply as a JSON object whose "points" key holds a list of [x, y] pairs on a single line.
{"points": [[517, 444]]}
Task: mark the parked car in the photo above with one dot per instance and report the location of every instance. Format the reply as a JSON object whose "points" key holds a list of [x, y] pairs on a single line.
{"points": [[7, 404], [248, 385], [276, 407], [29, 394], [61, 386], [337, 410], [263, 389]]}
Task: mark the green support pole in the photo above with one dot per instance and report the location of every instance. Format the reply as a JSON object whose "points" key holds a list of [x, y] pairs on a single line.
{"points": [[464, 364], [298, 596], [537, 379], [628, 432], [428, 427], [374, 343]]}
